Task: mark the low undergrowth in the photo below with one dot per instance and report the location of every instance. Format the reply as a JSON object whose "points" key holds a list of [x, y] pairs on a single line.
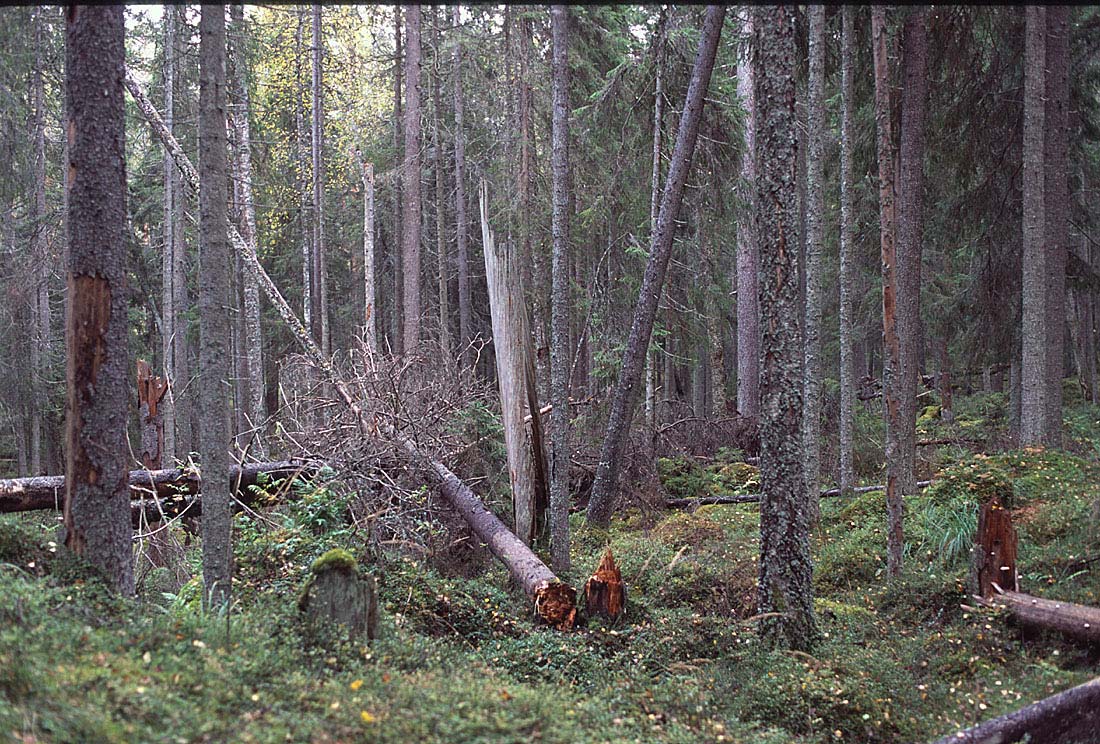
{"points": [[461, 660]]}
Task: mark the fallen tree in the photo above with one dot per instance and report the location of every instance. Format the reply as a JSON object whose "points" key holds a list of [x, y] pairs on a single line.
{"points": [[48, 491], [553, 600], [1071, 715], [752, 498], [1078, 622]]}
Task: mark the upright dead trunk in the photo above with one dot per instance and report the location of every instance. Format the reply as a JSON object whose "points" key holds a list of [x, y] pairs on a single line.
{"points": [[785, 595], [1056, 196], [604, 488], [214, 302], [320, 272], [41, 253], [847, 257], [748, 252], [440, 202], [461, 222], [411, 183], [398, 305], [239, 114], [370, 335], [559, 301], [516, 379], [815, 261], [654, 205], [914, 105], [97, 494], [1034, 387], [172, 194], [304, 201], [891, 348]]}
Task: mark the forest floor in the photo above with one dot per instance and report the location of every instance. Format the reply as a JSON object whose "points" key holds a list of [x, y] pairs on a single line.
{"points": [[460, 660]]}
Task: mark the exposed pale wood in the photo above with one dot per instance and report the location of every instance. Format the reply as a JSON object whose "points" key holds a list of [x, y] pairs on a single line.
{"points": [[1078, 622]]}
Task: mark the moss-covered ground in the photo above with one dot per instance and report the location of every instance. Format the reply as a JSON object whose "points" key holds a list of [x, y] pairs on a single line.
{"points": [[460, 660]]}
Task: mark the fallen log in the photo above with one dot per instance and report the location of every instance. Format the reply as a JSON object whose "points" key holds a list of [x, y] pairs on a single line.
{"points": [[553, 599], [752, 498], [1078, 622], [48, 491], [1071, 715]]}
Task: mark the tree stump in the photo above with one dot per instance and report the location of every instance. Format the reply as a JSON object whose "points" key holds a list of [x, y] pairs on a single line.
{"points": [[337, 594], [994, 558], [604, 592]]}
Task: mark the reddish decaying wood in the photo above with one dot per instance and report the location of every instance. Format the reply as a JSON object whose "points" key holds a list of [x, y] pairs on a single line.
{"points": [[1077, 622], [994, 560], [1071, 715], [150, 391], [604, 592]]}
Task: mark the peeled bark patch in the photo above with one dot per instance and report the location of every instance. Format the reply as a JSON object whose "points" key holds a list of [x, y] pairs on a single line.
{"points": [[338, 594], [604, 592]]}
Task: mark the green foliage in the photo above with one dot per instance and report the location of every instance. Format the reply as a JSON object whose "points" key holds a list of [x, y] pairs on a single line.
{"points": [[685, 477]]}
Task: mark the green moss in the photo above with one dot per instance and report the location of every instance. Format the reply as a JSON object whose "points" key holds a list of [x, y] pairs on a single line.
{"points": [[336, 559]]}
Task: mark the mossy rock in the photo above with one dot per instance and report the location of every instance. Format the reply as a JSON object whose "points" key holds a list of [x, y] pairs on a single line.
{"points": [[337, 593]]}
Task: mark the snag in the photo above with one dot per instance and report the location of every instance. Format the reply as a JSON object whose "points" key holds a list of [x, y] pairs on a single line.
{"points": [[604, 592], [994, 558]]}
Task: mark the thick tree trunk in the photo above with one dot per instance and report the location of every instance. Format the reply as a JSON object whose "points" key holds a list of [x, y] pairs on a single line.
{"points": [[891, 372], [914, 105], [461, 223], [1034, 387], [320, 272], [97, 376], [1056, 197], [214, 302], [748, 249], [411, 183], [239, 117], [847, 253], [1071, 715], [815, 262], [559, 303], [785, 595], [622, 406], [515, 372]]}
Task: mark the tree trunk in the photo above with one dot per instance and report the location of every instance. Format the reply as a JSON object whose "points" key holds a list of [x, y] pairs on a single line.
{"points": [[411, 187], [151, 391], [461, 223], [914, 105], [320, 272], [993, 559], [440, 203], [847, 255], [239, 116], [1056, 197], [214, 301], [97, 521], [515, 372], [398, 324], [1035, 329], [891, 372], [785, 587], [1071, 715], [559, 303], [41, 252], [1077, 622], [815, 262], [304, 201], [172, 194], [748, 249], [370, 335], [604, 592], [622, 406], [654, 206]]}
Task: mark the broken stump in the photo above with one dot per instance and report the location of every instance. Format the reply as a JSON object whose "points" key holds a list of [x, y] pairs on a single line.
{"points": [[337, 593], [604, 592], [994, 559]]}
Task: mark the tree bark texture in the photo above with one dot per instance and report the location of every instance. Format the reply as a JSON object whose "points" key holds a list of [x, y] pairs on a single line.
{"points": [[785, 594], [305, 203], [994, 552], [398, 325], [411, 183], [515, 377], [461, 222], [370, 301], [173, 194], [1034, 388], [654, 207], [748, 249], [442, 262], [559, 301], [151, 390], [815, 261], [320, 272], [914, 106], [97, 501], [891, 378], [1056, 197], [40, 249], [1071, 715], [847, 252], [214, 303], [625, 396]]}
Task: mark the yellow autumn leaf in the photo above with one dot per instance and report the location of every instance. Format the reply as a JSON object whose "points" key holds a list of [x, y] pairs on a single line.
{"points": [[356, 684], [367, 716]]}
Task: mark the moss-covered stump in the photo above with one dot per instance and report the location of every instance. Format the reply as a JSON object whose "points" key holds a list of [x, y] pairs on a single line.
{"points": [[338, 594]]}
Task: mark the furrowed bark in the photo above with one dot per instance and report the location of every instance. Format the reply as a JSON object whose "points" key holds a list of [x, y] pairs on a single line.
{"points": [[464, 311], [1071, 715], [554, 600], [847, 257]]}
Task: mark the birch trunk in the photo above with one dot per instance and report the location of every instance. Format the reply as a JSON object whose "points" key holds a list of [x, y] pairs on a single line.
{"points": [[370, 335], [748, 252], [304, 202], [320, 272]]}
